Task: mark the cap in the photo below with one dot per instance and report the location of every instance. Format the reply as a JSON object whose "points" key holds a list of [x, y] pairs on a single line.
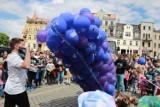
{"points": [[96, 99]]}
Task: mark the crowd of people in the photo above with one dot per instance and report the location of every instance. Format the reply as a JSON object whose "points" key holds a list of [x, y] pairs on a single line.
{"points": [[132, 76], [45, 69]]}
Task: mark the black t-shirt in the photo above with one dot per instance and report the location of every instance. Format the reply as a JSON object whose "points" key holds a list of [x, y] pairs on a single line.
{"points": [[34, 61], [121, 66]]}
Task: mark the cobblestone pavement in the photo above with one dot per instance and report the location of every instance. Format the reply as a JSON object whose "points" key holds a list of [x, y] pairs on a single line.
{"points": [[54, 96]]}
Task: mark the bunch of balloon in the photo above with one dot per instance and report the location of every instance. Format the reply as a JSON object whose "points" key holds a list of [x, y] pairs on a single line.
{"points": [[83, 48]]}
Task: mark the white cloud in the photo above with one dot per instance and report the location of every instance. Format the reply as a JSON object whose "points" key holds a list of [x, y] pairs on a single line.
{"points": [[52, 8]]}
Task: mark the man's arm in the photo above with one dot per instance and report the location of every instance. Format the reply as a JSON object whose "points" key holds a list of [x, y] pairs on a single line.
{"points": [[27, 60]]}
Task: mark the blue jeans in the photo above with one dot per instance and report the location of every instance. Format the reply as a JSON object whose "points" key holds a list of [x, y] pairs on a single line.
{"points": [[120, 82], [1, 90], [60, 77]]}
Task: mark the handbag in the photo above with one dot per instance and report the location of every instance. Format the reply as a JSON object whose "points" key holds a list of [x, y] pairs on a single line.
{"points": [[33, 69]]}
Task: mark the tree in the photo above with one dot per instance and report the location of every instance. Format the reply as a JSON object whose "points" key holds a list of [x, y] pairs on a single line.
{"points": [[4, 39]]}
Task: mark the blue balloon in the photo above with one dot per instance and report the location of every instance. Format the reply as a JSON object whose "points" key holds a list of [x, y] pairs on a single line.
{"points": [[66, 62], [76, 57], [82, 75], [89, 59], [84, 10], [108, 50], [48, 26], [67, 50], [97, 22], [105, 45], [90, 81], [99, 54], [93, 32], [87, 70], [53, 42], [91, 48], [98, 65], [59, 25], [101, 37], [78, 66], [141, 61], [106, 56], [72, 37], [68, 17], [104, 69], [110, 89], [81, 24]]}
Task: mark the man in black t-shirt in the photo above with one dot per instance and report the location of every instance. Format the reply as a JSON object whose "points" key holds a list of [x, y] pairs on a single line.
{"points": [[120, 70]]}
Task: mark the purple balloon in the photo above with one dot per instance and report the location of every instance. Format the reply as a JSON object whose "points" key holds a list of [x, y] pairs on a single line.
{"points": [[106, 85], [104, 69], [90, 17], [98, 65], [42, 36], [102, 79], [109, 76], [105, 45], [110, 61], [112, 80], [83, 42]]}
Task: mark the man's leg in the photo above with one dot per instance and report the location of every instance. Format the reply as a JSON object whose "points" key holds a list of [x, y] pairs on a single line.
{"points": [[122, 82], [22, 100], [118, 82], [8, 101]]}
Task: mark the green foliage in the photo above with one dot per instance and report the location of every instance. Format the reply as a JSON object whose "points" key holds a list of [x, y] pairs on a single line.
{"points": [[4, 39]]}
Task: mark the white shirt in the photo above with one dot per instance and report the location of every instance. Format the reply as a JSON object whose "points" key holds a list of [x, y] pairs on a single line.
{"points": [[16, 75]]}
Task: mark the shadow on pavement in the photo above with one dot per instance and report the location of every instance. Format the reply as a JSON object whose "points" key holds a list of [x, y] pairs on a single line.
{"points": [[61, 102]]}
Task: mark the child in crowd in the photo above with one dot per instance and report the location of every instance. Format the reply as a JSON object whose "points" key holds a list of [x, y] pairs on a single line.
{"points": [[133, 79], [1, 81], [68, 76], [50, 67]]}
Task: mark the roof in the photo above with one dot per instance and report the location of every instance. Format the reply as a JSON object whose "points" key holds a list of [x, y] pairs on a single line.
{"points": [[35, 18], [106, 15]]}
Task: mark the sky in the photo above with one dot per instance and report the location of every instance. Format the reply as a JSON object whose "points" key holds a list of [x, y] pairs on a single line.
{"points": [[13, 12]]}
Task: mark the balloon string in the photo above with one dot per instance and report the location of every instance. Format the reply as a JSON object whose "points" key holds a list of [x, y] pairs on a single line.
{"points": [[77, 53]]}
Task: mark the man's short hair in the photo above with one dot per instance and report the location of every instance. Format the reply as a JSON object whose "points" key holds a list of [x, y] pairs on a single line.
{"points": [[14, 41]]}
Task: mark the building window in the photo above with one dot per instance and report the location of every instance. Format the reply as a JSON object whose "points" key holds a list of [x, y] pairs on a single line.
{"points": [[130, 42], [148, 36], [118, 42], [29, 29], [106, 30], [29, 37], [144, 27], [35, 37], [34, 46], [128, 34], [136, 35], [144, 35], [154, 45], [136, 43], [159, 46], [149, 28], [106, 23], [124, 42], [143, 44], [111, 23], [155, 37], [149, 44]]}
